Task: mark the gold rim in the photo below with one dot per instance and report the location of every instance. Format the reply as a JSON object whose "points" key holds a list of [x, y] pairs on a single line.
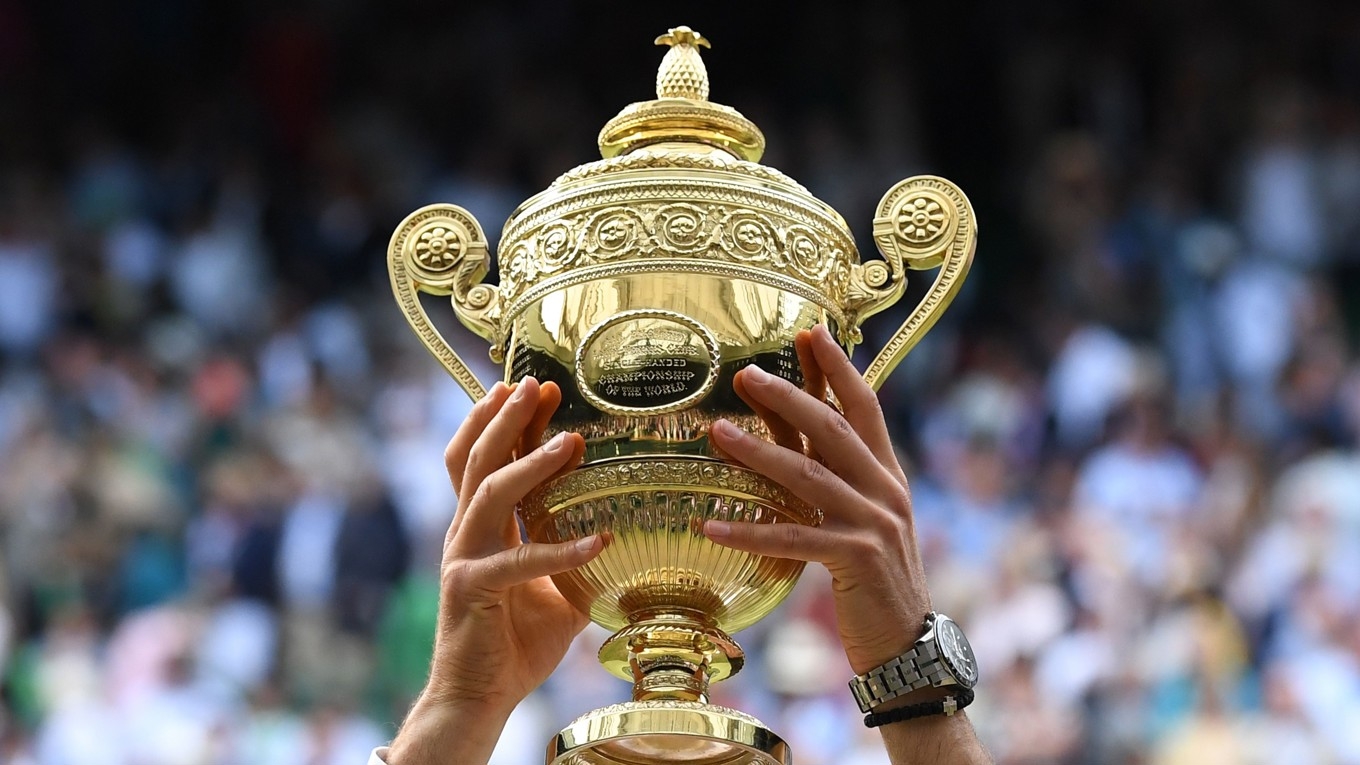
{"points": [[654, 732]]}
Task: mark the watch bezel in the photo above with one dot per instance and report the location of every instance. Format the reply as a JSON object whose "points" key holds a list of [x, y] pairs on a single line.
{"points": [[966, 680]]}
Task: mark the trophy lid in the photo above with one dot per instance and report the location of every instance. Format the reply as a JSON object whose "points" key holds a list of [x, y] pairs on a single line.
{"points": [[682, 111], [679, 190]]}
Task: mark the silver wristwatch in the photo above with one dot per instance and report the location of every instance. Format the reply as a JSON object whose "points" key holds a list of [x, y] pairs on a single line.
{"points": [[941, 657]]}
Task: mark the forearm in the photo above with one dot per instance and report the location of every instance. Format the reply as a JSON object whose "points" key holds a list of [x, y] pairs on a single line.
{"points": [[464, 732], [937, 740]]}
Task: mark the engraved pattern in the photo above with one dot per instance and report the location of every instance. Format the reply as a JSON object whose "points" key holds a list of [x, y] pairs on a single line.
{"points": [[557, 243], [920, 220], [703, 333], [666, 705], [748, 237], [441, 250], [658, 560], [720, 476], [682, 73], [772, 233], [682, 229], [517, 270], [612, 233], [696, 189], [951, 249], [651, 159], [806, 255]]}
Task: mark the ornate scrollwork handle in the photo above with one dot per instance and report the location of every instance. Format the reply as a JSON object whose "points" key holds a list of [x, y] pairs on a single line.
{"points": [[922, 222], [441, 250]]}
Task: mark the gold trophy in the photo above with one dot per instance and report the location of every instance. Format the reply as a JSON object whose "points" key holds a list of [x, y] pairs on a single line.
{"points": [[641, 284]]}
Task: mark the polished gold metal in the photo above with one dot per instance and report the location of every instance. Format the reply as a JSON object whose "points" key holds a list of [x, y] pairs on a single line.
{"points": [[641, 284], [676, 731]]}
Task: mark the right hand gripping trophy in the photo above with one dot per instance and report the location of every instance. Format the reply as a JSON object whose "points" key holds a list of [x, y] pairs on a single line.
{"points": [[640, 284]]}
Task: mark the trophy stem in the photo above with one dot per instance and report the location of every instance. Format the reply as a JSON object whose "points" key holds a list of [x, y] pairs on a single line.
{"points": [[671, 653]]}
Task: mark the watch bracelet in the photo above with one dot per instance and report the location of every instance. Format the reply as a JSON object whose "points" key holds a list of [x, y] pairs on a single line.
{"points": [[947, 706], [888, 681]]}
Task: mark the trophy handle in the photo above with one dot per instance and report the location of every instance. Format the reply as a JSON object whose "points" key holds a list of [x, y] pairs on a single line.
{"points": [[441, 250], [922, 222]]}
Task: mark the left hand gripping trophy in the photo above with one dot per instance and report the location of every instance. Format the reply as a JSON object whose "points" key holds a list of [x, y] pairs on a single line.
{"points": [[640, 284]]}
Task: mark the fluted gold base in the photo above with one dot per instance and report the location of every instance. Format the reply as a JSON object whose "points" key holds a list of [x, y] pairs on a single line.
{"points": [[667, 731]]}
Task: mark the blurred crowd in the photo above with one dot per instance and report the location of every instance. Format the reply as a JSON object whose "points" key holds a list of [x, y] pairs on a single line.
{"points": [[1133, 440]]}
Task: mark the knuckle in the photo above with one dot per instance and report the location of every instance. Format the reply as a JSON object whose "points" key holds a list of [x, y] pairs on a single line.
{"points": [[456, 577], [887, 525], [790, 534], [476, 460], [900, 501], [871, 402], [783, 389], [863, 548], [522, 557], [811, 471], [487, 491], [837, 425]]}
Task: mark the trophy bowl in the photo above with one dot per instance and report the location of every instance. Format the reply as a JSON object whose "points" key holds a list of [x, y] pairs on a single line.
{"points": [[641, 284]]}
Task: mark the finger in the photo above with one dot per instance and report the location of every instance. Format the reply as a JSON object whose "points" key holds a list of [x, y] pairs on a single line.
{"points": [[549, 398], [781, 431], [814, 379], [578, 452], [456, 453], [491, 510], [860, 403], [527, 562], [495, 446], [807, 478], [826, 429], [794, 541]]}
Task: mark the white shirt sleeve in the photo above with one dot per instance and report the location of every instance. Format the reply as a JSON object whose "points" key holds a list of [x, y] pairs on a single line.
{"points": [[379, 756]]}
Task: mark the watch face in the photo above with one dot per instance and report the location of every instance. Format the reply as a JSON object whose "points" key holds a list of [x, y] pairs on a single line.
{"points": [[956, 652]]}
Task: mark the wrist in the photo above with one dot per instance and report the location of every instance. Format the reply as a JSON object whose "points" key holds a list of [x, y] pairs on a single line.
{"points": [[441, 729], [941, 660], [902, 633], [449, 698]]}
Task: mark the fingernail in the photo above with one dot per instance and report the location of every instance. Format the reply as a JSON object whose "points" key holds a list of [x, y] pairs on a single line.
{"points": [[726, 429], [757, 375], [717, 529], [587, 544], [555, 443], [520, 388]]}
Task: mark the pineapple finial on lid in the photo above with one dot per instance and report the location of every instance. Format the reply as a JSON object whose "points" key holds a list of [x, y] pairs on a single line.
{"points": [[682, 73]]}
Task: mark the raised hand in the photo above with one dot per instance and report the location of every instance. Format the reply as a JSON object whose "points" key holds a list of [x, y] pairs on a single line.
{"points": [[503, 626], [868, 538]]}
